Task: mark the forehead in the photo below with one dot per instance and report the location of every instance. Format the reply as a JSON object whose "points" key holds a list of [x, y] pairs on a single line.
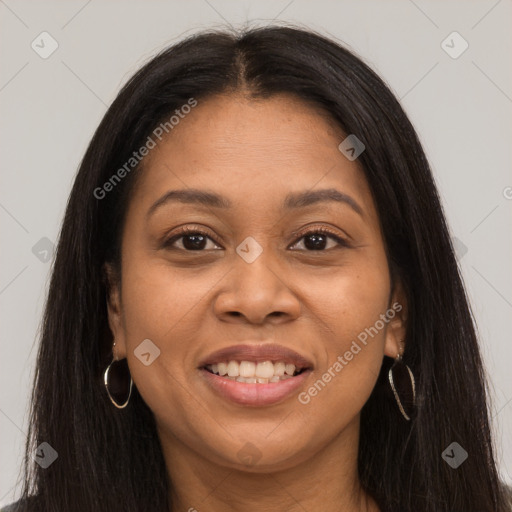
{"points": [[228, 126], [253, 151]]}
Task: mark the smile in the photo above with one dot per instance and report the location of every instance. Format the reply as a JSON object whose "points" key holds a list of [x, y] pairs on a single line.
{"points": [[252, 372], [255, 374]]}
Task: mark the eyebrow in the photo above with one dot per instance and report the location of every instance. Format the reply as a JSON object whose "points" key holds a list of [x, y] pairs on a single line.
{"points": [[291, 202]]}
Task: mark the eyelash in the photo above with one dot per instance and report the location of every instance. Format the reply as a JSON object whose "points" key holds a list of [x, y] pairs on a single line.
{"points": [[189, 230]]}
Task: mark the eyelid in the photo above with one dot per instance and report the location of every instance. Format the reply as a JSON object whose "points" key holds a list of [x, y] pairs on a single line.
{"points": [[342, 241]]}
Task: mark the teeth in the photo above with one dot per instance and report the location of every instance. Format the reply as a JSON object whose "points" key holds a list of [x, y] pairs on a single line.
{"points": [[265, 370], [247, 369], [279, 368], [233, 369], [289, 369], [247, 380], [251, 372], [222, 368]]}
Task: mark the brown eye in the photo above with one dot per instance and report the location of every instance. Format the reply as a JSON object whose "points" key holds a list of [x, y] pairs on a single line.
{"points": [[317, 239], [191, 239]]}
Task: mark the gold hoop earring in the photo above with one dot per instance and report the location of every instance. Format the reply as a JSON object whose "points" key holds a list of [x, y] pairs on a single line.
{"points": [[115, 378], [396, 375]]}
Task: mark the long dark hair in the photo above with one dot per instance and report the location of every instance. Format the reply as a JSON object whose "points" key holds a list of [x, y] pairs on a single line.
{"points": [[110, 459]]}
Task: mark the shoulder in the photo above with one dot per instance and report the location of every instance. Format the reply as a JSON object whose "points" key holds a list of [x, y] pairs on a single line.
{"points": [[12, 507], [17, 506]]}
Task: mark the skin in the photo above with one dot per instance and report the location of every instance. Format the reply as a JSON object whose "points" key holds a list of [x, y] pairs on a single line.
{"points": [[192, 303]]}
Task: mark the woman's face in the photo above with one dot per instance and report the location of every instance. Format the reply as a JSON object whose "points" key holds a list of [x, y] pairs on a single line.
{"points": [[256, 280]]}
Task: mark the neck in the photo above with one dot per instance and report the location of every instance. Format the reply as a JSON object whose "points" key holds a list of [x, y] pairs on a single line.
{"points": [[327, 480]]}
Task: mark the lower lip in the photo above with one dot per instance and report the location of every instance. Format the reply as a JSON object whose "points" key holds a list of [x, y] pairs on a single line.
{"points": [[255, 395]]}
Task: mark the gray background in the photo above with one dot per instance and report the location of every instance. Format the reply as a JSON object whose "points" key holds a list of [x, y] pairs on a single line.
{"points": [[50, 107]]}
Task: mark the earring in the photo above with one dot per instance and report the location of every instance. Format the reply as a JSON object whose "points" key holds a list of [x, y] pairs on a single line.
{"points": [[397, 374], [116, 378]]}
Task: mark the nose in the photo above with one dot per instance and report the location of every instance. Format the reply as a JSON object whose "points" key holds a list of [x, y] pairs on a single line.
{"points": [[257, 293]]}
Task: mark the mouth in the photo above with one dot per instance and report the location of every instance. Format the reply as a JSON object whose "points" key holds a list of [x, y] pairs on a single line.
{"points": [[255, 375]]}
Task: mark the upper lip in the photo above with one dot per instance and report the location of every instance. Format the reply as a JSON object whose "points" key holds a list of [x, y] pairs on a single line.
{"points": [[257, 353]]}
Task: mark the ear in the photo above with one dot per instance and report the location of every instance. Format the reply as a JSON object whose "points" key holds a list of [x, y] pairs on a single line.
{"points": [[114, 310], [397, 327]]}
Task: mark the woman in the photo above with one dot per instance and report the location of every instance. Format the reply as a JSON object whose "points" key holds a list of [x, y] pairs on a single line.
{"points": [[255, 303]]}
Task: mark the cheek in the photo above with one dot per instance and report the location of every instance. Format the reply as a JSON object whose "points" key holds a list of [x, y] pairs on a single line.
{"points": [[349, 300], [349, 306], [158, 304], [159, 300]]}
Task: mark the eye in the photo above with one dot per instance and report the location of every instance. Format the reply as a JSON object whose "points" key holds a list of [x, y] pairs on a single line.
{"points": [[317, 239], [192, 239]]}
